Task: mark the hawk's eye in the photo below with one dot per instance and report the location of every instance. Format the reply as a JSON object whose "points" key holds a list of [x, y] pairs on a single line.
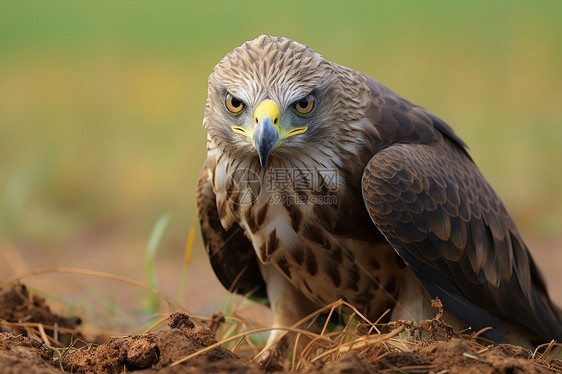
{"points": [[305, 105], [233, 104]]}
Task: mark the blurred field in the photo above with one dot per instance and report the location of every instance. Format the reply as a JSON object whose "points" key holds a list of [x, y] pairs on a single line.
{"points": [[97, 141]]}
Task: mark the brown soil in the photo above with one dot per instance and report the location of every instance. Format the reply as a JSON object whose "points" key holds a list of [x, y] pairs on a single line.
{"points": [[21, 350], [21, 310]]}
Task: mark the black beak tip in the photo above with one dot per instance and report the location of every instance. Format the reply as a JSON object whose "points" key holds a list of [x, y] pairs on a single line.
{"points": [[263, 155]]}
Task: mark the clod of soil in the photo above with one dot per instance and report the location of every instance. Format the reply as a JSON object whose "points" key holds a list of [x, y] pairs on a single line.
{"points": [[456, 356], [146, 353], [156, 352], [20, 355], [17, 306]]}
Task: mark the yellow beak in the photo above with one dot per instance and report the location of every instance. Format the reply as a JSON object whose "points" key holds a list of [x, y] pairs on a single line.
{"points": [[267, 108], [266, 133]]}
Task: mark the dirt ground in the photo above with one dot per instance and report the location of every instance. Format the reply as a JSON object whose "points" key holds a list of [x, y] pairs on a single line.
{"points": [[27, 322]]}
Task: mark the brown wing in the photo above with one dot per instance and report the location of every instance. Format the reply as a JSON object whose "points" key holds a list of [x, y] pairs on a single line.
{"points": [[231, 254], [442, 217]]}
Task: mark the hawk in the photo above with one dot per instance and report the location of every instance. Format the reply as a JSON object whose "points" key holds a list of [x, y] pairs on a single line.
{"points": [[322, 184]]}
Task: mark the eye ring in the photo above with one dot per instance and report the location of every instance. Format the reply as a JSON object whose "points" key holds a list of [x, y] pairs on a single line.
{"points": [[233, 105], [304, 106]]}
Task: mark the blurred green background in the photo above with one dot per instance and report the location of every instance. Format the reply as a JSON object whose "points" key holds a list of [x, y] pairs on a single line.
{"points": [[97, 139]]}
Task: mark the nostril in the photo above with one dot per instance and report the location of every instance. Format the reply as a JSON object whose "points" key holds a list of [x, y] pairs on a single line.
{"points": [[256, 120], [275, 121]]}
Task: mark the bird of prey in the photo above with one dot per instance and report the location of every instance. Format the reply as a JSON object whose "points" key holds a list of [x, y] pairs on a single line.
{"points": [[322, 184]]}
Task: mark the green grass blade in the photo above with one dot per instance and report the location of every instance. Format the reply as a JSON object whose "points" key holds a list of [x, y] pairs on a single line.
{"points": [[150, 255]]}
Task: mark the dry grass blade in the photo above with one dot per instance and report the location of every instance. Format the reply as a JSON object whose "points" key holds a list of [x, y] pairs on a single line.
{"points": [[477, 334], [355, 335], [312, 317], [238, 343], [328, 319], [43, 334], [238, 321], [549, 346], [236, 337], [93, 273], [160, 321], [38, 331], [358, 344], [36, 325]]}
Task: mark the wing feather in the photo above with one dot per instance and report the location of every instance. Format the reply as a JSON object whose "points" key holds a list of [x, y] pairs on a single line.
{"points": [[462, 246]]}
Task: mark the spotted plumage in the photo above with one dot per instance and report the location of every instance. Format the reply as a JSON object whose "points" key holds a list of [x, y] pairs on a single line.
{"points": [[321, 184]]}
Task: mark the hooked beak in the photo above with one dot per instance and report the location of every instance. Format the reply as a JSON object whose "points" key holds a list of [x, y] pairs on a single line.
{"points": [[265, 138], [266, 135]]}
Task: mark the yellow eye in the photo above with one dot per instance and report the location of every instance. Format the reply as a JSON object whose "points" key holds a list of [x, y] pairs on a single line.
{"points": [[233, 104], [305, 105]]}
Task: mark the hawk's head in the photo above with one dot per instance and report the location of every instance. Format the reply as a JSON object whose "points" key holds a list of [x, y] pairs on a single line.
{"points": [[275, 97]]}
